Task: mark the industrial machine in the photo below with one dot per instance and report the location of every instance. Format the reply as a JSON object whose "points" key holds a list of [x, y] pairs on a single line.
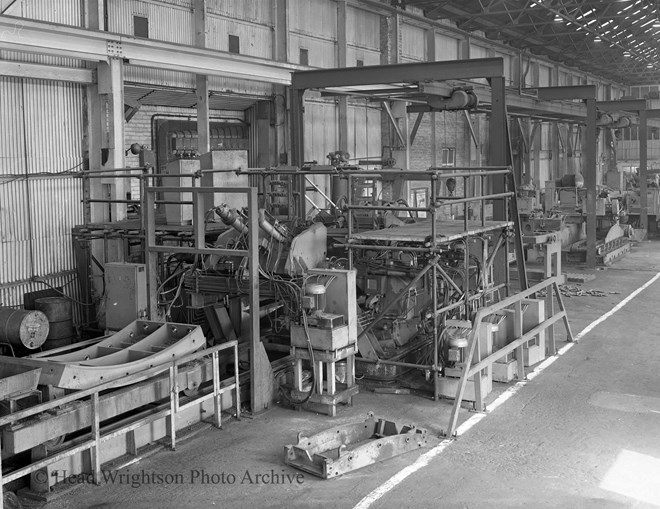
{"points": [[562, 212]]}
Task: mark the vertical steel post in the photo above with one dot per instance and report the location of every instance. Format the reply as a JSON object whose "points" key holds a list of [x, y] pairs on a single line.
{"points": [[643, 162], [217, 407], [349, 216], [236, 382], [590, 181], [95, 451], [151, 257], [434, 286], [497, 142], [297, 202], [174, 391]]}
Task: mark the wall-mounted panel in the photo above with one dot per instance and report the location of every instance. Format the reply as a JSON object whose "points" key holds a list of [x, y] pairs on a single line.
{"points": [[362, 28], [313, 17], [167, 22], [413, 43], [446, 47], [477, 51], [364, 131], [256, 11], [321, 53], [320, 128], [254, 40], [368, 57]]}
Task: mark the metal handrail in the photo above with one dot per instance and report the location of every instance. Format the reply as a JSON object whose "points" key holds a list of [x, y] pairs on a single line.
{"points": [[94, 443]]}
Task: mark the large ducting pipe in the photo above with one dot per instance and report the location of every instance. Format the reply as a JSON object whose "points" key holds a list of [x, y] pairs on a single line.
{"points": [[622, 122], [604, 119], [459, 100]]}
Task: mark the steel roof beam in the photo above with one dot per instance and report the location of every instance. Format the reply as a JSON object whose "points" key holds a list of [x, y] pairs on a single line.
{"points": [[93, 45], [399, 73]]}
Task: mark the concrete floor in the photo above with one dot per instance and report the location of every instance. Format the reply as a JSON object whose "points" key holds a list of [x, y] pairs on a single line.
{"points": [[583, 433]]}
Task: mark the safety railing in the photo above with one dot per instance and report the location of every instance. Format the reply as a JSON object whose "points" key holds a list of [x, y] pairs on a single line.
{"points": [[93, 444], [474, 369]]}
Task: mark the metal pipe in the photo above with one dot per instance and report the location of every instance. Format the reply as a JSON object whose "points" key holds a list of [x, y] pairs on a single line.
{"points": [[321, 193], [396, 363], [230, 218], [385, 207], [94, 200], [455, 201], [384, 248], [269, 228]]}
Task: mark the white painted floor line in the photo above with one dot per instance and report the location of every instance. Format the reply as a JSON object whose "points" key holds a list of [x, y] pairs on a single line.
{"points": [[426, 458]]}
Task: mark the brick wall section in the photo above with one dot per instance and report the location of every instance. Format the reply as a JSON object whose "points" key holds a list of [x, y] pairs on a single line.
{"points": [[138, 130]]}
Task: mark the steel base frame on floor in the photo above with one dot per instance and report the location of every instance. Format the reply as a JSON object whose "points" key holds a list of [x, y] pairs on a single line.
{"points": [[549, 287], [94, 443]]}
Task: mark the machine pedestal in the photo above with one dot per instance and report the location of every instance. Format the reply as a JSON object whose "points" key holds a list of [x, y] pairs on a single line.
{"points": [[326, 390]]}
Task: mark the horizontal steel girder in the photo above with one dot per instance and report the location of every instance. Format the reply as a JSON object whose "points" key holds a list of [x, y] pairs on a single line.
{"points": [[399, 73], [46, 72], [636, 105], [93, 45], [573, 92]]}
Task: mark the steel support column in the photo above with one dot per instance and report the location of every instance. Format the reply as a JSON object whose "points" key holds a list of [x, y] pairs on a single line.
{"points": [[339, 186], [590, 170], [497, 150], [202, 82], [643, 161], [111, 91]]}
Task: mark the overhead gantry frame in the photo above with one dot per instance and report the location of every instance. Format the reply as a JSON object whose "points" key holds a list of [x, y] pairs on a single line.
{"points": [[490, 68], [638, 106], [586, 93]]}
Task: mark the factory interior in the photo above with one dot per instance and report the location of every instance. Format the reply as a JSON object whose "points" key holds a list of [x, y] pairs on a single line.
{"points": [[401, 255]]}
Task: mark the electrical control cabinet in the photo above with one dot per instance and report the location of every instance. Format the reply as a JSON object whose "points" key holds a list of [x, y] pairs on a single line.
{"points": [[126, 294]]}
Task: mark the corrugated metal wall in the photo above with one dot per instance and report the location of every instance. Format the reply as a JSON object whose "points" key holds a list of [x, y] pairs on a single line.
{"points": [[363, 37], [66, 12], [42, 130], [255, 11], [256, 39], [413, 43], [172, 21], [313, 26], [364, 131], [446, 47]]}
